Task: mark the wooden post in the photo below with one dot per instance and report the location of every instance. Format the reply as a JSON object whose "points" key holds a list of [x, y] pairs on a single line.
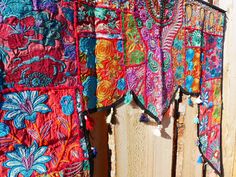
{"points": [[175, 140]]}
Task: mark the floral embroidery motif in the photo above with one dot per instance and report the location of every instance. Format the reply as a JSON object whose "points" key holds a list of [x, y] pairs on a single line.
{"points": [[16, 8], [57, 131], [102, 20], [51, 31], [31, 37], [36, 79], [25, 161], [121, 84], [212, 66], [21, 32], [50, 5], [210, 117], [67, 105], [195, 38], [203, 124], [133, 45], [205, 97], [193, 70], [24, 106], [4, 130], [4, 55]]}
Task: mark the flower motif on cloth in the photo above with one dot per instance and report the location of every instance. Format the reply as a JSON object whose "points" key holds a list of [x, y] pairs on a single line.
{"points": [[46, 140], [24, 106], [25, 160], [4, 129]]}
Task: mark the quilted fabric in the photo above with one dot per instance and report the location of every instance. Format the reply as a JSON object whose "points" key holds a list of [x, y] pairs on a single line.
{"points": [[61, 59], [41, 133], [40, 130]]}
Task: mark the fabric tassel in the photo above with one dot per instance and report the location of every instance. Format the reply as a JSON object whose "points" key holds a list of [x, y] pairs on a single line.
{"points": [[157, 131], [109, 117], [128, 98], [198, 100], [177, 95], [190, 102], [196, 120], [89, 123], [81, 120], [199, 160], [197, 143], [94, 152], [144, 118]]}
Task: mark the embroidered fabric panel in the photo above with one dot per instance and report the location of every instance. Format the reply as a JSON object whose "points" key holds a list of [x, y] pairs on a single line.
{"points": [[127, 38], [87, 55], [204, 60], [37, 44], [39, 124], [40, 133]]}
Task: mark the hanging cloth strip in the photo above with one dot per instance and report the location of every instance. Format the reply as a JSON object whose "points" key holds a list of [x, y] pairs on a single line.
{"points": [[61, 60], [40, 122]]}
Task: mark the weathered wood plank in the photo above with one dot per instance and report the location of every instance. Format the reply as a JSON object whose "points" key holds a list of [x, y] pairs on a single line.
{"points": [[229, 90], [139, 153], [187, 150], [99, 139]]}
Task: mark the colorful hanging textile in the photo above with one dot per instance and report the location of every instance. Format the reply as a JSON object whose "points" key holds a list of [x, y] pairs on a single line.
{"points": [[63, 59], [40, 132]]}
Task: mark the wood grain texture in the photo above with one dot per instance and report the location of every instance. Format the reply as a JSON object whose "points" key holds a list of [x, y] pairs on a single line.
{"points": [[229, 90], [99, 139], [139, 153], [187, 150]]}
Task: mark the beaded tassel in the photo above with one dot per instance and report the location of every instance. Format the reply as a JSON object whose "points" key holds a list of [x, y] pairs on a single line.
{"points": [[144, 118], [198, 100], [190, 102], [157, 130], [196, 120], [94, 152], [128, 98], [109, 117], [177, 95], [200, 160]]}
